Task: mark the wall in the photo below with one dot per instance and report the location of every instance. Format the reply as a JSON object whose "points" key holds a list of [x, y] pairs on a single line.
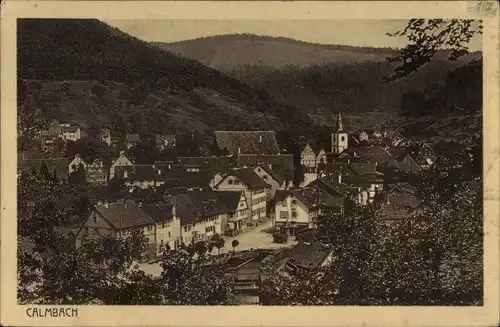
{"points": [[303, 214]]}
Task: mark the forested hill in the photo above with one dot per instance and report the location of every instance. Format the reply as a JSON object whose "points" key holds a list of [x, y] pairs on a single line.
{"points": [[87, 70], [317, 78], [225, 52]]}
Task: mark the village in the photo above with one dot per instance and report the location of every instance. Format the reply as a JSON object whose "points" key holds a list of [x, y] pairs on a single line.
{"points": [[243, 204]]}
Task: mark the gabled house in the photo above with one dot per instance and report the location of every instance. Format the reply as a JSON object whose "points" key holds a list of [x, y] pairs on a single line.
{"points": [[255, 188], [168, 226], [237, 210], [398, 206], [96, 172], [193, 227], [362, 174], [297, 209], [247, 142], [76, 163], [211, 210], [302, 256], [118, 220], [403, 162], [72, 133], [141, 176], [132, 140], [121, 161], [275, 181], [283, 164], [372, 154], [164, 141], [426, 157]]}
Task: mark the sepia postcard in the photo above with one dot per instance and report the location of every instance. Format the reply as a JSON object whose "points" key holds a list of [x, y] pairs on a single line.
{"points": [[250, 163]]}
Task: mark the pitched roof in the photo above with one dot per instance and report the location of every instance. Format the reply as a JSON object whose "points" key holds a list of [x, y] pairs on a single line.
{"points": [[367, 154], [158, 211], [364, 168], [185, 209], [124, 214], [398, 153], [216, 164], [69, 129], [249, 177], [329, 186], [133, 138], [309, 256], [229, 199], [281, 163], [277, 177], [207, 203], [247, 142]]}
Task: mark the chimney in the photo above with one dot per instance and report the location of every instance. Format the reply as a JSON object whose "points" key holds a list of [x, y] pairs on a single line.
{"points": [[106, 204], [99, 203], [174, 212]]}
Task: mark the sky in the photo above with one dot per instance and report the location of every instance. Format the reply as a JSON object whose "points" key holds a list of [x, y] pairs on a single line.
{"points": [[366, 32]]}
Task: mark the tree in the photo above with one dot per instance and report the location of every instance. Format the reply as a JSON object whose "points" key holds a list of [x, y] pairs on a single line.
{"points": [[234, 244], [219, 242], [429, 36]]}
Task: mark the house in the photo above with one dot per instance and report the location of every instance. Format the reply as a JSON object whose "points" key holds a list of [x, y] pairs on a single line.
{"points": [[132, 140], [402, 161], [283, 164], [141, 176], [302, 256], [118, 220], [237, 210], [212, 211], [164, 141], [193, 227], [168, 225], [365, 174], [426, 157], [255, 188], [247, 142], [296, 209], [106, 136], [311, 157], [121, 161], [370, 154], [75, 164], [96, 173], [398, 206], [272, 178], [213, 164], [71, 133]]}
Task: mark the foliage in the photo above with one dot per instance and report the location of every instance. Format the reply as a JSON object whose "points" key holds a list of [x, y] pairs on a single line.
{"points": [[427, 37], [280, 237], [194, 281], [234, 244]]}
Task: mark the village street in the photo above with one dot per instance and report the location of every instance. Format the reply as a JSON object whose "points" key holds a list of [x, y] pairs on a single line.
{"points": [[255, 238]]}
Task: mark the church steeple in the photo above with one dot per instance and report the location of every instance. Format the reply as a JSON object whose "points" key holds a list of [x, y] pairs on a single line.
{"points": [[340, 127], [339, 137]]}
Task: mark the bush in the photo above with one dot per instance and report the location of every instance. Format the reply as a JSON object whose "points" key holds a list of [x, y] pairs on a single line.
{"points": [[280, 237]]}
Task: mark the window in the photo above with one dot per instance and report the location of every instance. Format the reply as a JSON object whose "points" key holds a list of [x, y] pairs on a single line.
{"points": [[95, 218], [342, 138], [294, 214], [169, 234], [264, 177], [283, 204], [96, 231], [294, 202], [230, 181], [210, 229], [236, 182], [86, 230], [283, 214]]}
